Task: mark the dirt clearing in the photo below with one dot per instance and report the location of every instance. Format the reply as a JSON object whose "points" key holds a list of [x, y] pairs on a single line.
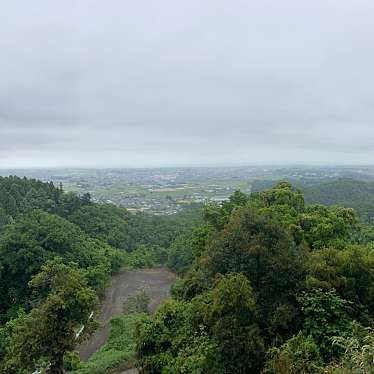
{"points": [[155, 282]]}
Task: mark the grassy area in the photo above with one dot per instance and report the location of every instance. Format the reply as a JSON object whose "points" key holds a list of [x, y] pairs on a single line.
{"points": [[117, 353]]}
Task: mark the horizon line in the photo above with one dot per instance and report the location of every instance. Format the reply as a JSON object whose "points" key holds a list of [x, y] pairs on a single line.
{"points": [[187, 166]]}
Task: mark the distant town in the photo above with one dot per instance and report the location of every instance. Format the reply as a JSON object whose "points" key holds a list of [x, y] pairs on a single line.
{"points": [[165, 191]]}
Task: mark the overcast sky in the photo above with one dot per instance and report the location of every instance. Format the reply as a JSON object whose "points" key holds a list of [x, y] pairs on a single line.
{"points": [[186, 82]]}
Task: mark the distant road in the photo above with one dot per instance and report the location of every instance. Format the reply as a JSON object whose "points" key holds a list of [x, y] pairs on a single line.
{"points": [[156, 283]]}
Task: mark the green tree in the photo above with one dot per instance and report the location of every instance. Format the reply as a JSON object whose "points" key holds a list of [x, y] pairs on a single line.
{"points": [[229, 314], [298, 355], [180, 254], [63, 302], [350, 272], [38, 237], [265, 252], [159, 338], [358, 352], [328, 227], [282, 194], [324, 317], [3, 218], [218, 215]]}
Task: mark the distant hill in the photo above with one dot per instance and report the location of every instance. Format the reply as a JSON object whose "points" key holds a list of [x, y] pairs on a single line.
{"points": [[344, 191], [340, 191]]}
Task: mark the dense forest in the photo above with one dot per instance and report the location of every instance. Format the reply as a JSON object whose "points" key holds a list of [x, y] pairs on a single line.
{"points": [[267, 283], [275, 286], [57, 252], [352, 193]]}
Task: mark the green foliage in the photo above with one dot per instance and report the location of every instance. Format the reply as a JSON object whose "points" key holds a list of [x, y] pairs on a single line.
{"points": [[72, 361], [267, 272], [38, 237], [349, 272], [192, 284], [228, 313], [347, 192], [159, 339], [216, 332], [358, 356], [110, 223], [263, 272], [147, 257], [324, 227], [118, 350], [106, 222], [198, 356], [19, 195], [317, 226], [137, 303], [186, 248], [300, 354], [127, 231], [324, 317], [218, 215], [180, 254], [63, 301], [265, 252], [283, 194], [40, 223]]}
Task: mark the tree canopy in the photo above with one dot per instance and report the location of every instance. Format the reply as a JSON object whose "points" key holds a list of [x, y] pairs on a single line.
{"points": [[271, 287]]}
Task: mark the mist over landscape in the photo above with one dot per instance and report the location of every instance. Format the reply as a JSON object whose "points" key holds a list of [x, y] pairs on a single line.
{"points": [[187, 187]]}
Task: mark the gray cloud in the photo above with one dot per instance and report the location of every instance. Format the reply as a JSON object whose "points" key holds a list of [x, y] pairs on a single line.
{"points": [[143, 83]]}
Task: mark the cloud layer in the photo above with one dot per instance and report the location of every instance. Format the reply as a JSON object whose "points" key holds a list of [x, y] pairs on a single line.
{"points": [[163, 82]]}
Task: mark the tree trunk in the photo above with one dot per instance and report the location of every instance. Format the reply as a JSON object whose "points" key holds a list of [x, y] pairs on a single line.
{"points": [[57, 365]]}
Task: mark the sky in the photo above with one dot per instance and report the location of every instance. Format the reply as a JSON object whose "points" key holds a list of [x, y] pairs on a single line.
{"points": [[144, 83]]}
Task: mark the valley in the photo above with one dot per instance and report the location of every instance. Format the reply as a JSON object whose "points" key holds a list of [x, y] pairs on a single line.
{"points": [[165, 191]]}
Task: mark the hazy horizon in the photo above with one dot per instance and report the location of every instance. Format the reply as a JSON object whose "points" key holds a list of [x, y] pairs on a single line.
{"points": [[151, 84], [228, 166]]}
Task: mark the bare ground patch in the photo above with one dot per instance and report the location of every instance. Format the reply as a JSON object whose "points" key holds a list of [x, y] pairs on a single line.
{"points": [[156, 283]]}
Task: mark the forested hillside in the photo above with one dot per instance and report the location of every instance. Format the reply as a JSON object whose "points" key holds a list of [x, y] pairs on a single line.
{"points": [[267, 283], [112, 224], [57, 251], [348, 192], [275, 286]]}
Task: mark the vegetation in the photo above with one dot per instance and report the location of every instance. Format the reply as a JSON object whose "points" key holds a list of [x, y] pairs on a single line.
{"points": [[57, 252], [128, 231], [117, 353], [137, 303], [42, 337], [348, 192], [37, 237], [267, 284], [274, 285]]}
